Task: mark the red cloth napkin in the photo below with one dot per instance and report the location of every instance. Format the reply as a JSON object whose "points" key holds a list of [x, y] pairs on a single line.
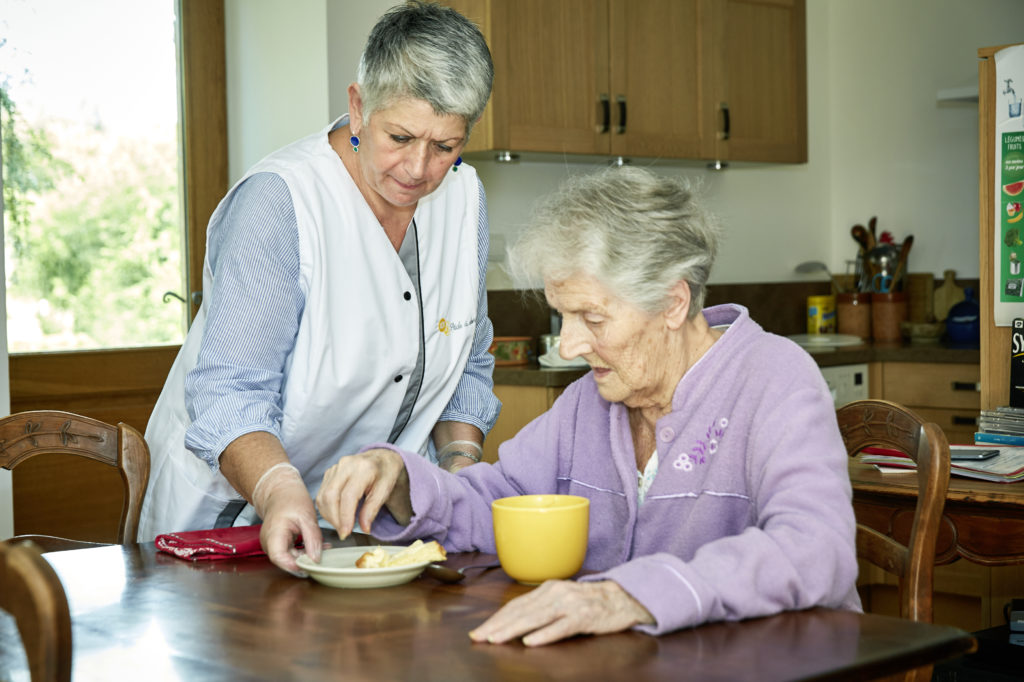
{"points": [[216, 543]]}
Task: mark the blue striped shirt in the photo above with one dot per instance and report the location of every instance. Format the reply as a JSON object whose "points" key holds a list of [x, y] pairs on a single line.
{"points": [[253, 315]]}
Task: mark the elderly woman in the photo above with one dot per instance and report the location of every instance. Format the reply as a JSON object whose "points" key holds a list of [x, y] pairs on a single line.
{"points": [[344, 300], [708, 447]]}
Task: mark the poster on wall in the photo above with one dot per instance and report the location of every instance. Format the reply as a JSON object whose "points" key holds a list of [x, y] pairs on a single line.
{"points": [[1009, 190]]}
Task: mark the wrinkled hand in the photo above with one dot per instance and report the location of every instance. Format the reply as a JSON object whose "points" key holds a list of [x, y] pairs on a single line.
{"points": [[563, 608], [377, 477], [284, 504]]}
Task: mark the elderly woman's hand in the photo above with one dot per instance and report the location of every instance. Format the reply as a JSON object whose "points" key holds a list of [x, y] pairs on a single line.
{"points": [[563, 608], [375, 477]]}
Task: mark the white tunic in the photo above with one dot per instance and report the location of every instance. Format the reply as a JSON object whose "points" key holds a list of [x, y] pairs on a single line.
{"points": [[357, 333]]}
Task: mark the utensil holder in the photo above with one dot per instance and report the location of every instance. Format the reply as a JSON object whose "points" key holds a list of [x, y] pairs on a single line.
{"points": [[854, 310], [887, 312]]}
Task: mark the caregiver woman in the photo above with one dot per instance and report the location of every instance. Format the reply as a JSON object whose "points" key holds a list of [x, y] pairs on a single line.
{"points": [[344, 301]]}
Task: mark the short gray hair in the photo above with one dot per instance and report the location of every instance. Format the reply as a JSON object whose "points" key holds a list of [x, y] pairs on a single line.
{"points": [[425, 51], [636, 232]]}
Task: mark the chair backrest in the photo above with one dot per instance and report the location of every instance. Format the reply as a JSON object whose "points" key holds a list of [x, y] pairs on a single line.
{"points": [[31, 592], [878, 423], [28, 434]]}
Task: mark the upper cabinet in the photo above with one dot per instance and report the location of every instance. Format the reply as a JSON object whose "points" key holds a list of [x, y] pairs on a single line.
{"points": [[687, 79]]}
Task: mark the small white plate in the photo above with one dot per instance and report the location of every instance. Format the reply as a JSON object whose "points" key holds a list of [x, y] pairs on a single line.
{"points": [[337, 568], [821, 340]]}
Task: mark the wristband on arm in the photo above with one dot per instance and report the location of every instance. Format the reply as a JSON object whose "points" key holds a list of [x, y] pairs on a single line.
{"points": [[465, 448]]}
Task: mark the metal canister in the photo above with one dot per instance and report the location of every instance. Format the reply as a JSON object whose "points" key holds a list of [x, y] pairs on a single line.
{"points": [[821, 314]]}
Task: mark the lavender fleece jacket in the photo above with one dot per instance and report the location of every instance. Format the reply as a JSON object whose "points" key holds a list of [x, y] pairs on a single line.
{"points": [[750, 513]]}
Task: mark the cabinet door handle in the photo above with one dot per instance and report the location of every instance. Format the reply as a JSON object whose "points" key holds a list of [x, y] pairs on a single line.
{"points": [[725, 121], [965, 421], [606, 114], [966, 386], [621, 128]]}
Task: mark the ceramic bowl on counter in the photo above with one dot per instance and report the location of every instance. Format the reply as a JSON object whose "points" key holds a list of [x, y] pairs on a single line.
{"points": [[923, 332], [511, 350]]}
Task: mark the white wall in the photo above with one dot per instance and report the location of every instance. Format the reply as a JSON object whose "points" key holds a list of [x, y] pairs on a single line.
{"points": [[896, 152], [879, 142], [348, 24], [276, 58]]}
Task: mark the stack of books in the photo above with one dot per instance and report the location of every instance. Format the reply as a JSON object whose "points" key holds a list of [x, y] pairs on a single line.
{"points": [[1001, 426]]}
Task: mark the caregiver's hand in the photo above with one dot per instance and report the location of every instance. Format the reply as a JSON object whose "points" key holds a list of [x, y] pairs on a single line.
{"points": [[375, 477], [563, 608], [283, 502]]}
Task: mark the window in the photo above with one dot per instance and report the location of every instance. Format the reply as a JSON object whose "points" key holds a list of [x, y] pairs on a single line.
{"points": [[94, 200]]}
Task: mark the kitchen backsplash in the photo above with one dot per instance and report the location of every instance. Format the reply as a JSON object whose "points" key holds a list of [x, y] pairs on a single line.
{"points": [[779, 307]]}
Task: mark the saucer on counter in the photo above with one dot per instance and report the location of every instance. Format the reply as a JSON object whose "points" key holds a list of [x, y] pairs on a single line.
{"points": [[821, 341]]}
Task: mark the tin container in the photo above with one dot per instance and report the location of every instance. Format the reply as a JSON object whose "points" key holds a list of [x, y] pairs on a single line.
{"points": [[821, 314], [511, 350]]}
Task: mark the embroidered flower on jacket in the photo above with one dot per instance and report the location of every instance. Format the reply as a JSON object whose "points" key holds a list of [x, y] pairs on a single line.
{"points": [[703, 449]]}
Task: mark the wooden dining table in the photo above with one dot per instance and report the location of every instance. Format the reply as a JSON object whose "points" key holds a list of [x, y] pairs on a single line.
{"points": [[141, 614]]}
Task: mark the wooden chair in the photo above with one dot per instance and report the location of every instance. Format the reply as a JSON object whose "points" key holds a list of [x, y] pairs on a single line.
{"points": [[878, 423], [28, 434], [31, 592]]}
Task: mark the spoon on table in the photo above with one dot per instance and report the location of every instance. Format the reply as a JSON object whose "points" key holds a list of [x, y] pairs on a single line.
{"points": [[455, 575]]}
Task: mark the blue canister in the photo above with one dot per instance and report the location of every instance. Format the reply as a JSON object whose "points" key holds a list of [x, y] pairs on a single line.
{"points": [[963, 323]]}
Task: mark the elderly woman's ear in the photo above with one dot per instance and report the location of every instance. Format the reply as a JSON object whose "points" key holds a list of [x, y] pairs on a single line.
{"points": [[678, 308]]}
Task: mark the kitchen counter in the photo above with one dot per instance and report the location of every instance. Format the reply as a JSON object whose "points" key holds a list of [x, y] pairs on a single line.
{"points": [[535, 375], [930, 353]]}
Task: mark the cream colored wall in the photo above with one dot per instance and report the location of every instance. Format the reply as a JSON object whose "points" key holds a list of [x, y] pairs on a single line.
{"points": [[879, 143], [897, 152], [276, 59]]}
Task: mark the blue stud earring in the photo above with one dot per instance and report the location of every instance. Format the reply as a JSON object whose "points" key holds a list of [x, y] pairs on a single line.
{"points": [[458, 162], [355, 143]]}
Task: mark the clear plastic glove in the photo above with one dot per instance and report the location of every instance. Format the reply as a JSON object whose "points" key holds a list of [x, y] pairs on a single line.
{"points": [[563, 608], [376, 478], [283, 502]]}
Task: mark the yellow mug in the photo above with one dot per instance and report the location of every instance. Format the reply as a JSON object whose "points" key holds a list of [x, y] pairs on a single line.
{"points": [[541, 537]]}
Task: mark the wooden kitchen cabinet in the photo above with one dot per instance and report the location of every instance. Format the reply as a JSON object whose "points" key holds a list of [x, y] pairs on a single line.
{"points": [[519, 406], [948, 394], [689, 79]]}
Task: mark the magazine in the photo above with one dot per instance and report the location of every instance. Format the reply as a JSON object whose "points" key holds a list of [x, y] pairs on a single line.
{"points": [[1006, 467]]}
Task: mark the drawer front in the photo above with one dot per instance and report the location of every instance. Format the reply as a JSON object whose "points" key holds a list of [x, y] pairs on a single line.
{"points": [[958, 425], [913, 384]]}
